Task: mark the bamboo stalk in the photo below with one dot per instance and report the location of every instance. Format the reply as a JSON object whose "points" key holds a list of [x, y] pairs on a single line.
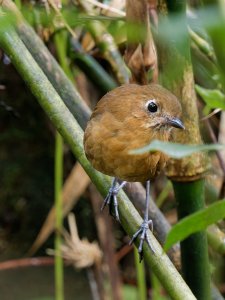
{"points": [[141, 280], [194, 251], [187, 174], [72, 134], [59, 272]]}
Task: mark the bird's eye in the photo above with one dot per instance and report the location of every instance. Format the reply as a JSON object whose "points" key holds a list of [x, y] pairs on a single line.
{"points": [[152, 107]]}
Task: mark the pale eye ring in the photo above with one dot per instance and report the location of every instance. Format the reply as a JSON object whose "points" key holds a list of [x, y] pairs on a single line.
{"points": [[152, 106]]}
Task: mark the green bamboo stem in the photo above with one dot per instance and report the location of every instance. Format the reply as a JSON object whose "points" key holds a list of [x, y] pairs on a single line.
{"points": [[194, 251], [59, 276], [204, 69], [203, 61], [92, 68], [72, 134], [157, 288], [64, 87], [203, 45], [141, 280], [60, 39]]}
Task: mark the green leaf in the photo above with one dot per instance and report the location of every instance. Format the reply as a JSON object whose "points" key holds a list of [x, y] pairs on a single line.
{"points": [[196, 222], [212, 98], [176, 150]]}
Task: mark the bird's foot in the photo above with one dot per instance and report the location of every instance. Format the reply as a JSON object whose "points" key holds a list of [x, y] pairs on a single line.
{"points": [[111, 198], [142, 231]]}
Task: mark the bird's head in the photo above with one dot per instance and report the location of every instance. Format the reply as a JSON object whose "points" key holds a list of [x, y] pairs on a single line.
{"points": [[157, 108]]}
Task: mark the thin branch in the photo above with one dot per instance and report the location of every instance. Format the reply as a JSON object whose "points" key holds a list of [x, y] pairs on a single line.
{"points": [[26, 262], [214, 112]]}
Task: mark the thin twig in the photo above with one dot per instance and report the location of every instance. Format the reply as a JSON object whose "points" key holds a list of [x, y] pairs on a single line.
{"points": [[107, 8], [26, 262], [58, 12], [214, 112]]}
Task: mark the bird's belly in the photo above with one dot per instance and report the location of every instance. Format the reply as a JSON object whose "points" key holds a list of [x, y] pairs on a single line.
{"points": [[132, 168], [141, 167]]}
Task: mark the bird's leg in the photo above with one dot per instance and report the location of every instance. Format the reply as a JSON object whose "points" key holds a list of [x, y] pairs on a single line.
{"points": [[144, 226], [111, 198]]}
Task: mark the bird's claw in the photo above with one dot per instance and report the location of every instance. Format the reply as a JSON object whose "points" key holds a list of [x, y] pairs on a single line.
{"points": [[142, 231], [111, 199]]}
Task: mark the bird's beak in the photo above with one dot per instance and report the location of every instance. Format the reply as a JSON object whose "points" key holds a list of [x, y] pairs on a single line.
{"points": [[175, 122]]}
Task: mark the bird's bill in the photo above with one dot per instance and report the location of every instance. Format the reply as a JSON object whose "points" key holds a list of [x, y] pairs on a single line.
{"points": [[175, 122]]}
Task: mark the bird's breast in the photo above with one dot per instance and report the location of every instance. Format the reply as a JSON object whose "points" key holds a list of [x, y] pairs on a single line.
{"points": [[108, 145]]}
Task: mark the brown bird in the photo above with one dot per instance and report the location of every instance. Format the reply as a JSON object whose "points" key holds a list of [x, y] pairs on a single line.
{"points": [[127, 118]]}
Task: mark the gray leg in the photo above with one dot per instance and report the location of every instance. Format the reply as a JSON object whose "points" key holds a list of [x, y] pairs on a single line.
{"points": [[111, 198], [144, 226]]}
